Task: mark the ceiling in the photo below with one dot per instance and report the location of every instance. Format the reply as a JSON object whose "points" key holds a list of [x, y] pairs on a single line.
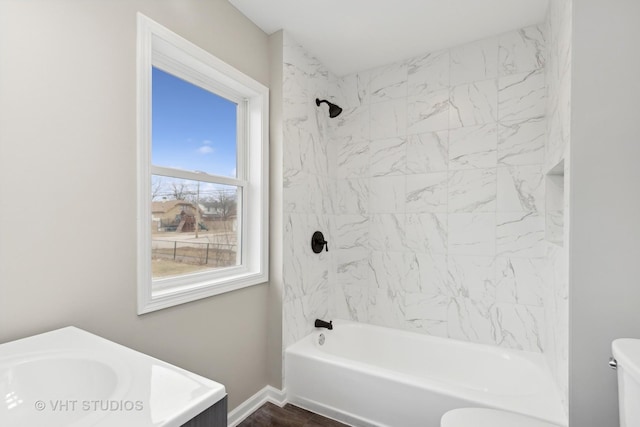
{"points": [[354, 35]]}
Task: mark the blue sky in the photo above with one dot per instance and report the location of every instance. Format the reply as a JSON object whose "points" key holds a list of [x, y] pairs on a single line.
{"points": [[192, 129]]}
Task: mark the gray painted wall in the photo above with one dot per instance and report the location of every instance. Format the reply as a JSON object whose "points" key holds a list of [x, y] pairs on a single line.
{"points": [[605, 202], [276, 231], [68, 183]]}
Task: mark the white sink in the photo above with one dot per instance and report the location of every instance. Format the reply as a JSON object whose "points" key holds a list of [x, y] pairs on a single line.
{"points": [[59, 375], [71, 378]]}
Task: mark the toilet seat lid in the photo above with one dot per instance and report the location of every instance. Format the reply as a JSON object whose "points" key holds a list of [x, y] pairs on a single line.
{"points": [[482, 417]]}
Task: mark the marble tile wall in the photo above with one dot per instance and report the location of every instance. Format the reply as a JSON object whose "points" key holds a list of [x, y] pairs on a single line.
{"points": [[556, 292], [430, 187], [439, 193], [307, 194]]}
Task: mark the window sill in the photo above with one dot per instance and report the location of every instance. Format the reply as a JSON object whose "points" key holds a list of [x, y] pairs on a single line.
{"points": [[204, 289]]}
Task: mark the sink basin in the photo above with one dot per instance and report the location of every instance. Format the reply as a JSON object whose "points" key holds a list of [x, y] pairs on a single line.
{"points": [[59, 376], [58, 380], [71, 378]]}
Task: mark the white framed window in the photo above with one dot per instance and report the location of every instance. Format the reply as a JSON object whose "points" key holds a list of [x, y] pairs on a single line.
{"points": [[202, 215]]}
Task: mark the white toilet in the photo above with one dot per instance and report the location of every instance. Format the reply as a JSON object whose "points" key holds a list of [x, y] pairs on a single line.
{"points": [[626, 353], [626, 359], [482, 417]]}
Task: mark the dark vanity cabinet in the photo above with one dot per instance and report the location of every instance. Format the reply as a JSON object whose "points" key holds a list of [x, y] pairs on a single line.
{"points": [[214, 416]]}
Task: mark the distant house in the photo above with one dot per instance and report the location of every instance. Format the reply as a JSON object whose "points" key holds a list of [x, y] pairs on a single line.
{"points": [[219, 214], [209, 210], [173, 215], [217, 210]]}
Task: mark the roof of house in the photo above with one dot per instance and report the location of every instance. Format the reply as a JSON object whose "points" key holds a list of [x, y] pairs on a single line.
{"points": [[166, 205]]}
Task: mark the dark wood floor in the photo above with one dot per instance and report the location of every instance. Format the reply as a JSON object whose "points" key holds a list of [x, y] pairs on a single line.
{"points": [[270, 415]]}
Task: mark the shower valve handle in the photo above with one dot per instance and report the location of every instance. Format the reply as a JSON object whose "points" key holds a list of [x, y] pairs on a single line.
{"points": [[318, 243]]}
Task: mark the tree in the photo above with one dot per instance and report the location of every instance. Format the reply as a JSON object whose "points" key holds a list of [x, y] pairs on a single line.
{"points": [[225, 204], [180, 191], [156, 187], [172, 190]]}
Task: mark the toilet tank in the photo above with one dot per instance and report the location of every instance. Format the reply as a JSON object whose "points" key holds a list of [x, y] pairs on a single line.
{"points": [[626, 351]]}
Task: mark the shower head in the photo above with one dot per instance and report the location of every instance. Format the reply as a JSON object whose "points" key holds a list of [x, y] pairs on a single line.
{"points": [[334, 110]]}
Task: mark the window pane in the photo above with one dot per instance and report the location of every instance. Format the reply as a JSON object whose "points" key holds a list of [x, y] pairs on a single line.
{"points": [[192, 129], [194, 226]]}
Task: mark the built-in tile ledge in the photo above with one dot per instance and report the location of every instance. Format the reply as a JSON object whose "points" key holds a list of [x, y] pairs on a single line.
{"points": [[554, 179]]}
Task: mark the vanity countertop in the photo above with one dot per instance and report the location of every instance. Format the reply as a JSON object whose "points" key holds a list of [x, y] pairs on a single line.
{"points": [[72, 378]]}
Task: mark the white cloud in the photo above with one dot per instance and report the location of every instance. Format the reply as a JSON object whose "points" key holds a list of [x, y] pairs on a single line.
{"points": [[207, 142], [205, 149]]}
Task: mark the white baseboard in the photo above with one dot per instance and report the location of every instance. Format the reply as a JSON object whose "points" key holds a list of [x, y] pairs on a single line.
{"points": [[249, 406]]}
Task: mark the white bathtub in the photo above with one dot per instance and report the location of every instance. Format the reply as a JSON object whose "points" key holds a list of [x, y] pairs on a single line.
{"points": [[369, 375]]}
